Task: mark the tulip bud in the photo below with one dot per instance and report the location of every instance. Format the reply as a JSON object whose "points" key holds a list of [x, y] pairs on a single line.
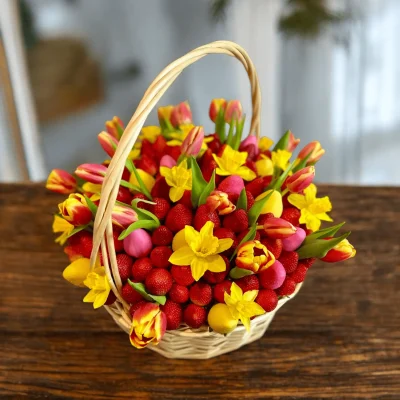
{"points": [[219, 201], [115, 128], [278, 228], [149, 324], [274, 276], [316, 152], [301, 179], [233, 111], [232, 185], [75, 210], [215, 106], [181, 115], [108, 142], [138, 243], [254, 256], [164, 114], [191, 146], [273, 205], [167, 161], [123, 216], [77, 271], [61, 181], [93, 173], [342, 251], [293, 242], [292, 143]]}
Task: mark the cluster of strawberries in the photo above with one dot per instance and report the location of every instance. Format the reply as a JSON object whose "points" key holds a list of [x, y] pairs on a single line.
{"points": [[200, 221]]}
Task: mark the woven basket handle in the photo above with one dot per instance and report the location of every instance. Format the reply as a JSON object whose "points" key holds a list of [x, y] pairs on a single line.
{"points": [[103, 222]]}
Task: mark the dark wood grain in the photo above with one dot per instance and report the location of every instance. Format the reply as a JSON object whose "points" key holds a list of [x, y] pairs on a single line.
{"points": [[339, 339]]}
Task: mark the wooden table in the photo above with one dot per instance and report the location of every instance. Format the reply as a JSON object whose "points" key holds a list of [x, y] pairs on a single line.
{"points": [[339, 339]]}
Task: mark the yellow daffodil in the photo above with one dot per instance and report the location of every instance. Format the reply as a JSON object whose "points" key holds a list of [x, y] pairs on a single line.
{"points": [[231, 163], [265, 143], [179, 178], [280, 159], [313, 209], [77, 271], [63, 226], [201, 251], [242, 305], [99, 286]]}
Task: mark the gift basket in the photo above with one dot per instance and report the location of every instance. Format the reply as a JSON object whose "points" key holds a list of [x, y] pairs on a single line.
{"points": [[192, 242]]}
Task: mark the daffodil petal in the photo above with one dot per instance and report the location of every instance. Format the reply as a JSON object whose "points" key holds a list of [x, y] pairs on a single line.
{"points": [[224, 244], [182, 256], [324, 217], [297, 200], [310, 193], [245, 322], [90, 297], [199, 267], [77, 271], [236, 292], [311, 221], [191, 235], [321, 205], [215, 263], [101, 298], [246, 173], [175, 194], [251, 309], [207, 230], [250, 295]]}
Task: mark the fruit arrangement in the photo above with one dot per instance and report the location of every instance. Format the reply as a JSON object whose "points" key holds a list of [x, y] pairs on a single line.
{"points": [[209, 231]]}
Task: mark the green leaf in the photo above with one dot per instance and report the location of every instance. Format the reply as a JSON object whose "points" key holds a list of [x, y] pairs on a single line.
{"points": [[220, 125], [142, 213], [251, 234], [77, 229], [319, 247], [256, 209], [120, 130], [207, 190], [323, 233], [302, 163], [140, 288], [239, 132], [141, 224], [129, 165], [198, 182], [143, 188], [91, 205], [129, 185], [237, 273], [283, 142], [232, 125], [242, 201], [279, 182]]}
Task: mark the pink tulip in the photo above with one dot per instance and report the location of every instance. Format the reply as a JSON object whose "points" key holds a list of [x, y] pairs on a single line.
{"points": [[181, 114], [108, 142], [93, 173], [294, 242], [301, 179], [273, 276], [61, 181], [278, 228], [191, 146], [252, 141], [232, 185], [167, 161], [233, 111], [215, 107], [123, 216], [138, 243]]}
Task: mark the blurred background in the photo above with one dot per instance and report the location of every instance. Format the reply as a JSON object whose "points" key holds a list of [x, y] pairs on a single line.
{"points": [[329, 71]]}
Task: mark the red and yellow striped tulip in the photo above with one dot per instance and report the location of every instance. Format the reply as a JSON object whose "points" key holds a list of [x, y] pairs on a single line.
{"points": [[233, 111], [278, 228], [215, 106], [342, 251], [61, 181], [219, 201], [93, 173], [192, 143], [181, 114], [108, 142], [316, 151], [75, 210], [123, 216], [301, 179], [115, 127], [254, 256]]}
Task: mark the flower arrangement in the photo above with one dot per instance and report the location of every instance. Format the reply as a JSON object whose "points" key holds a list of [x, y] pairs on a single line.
{"points": [[210, 231]]}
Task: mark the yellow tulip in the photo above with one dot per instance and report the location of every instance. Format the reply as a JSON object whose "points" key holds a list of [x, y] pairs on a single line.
{"points": [[274, 203]]}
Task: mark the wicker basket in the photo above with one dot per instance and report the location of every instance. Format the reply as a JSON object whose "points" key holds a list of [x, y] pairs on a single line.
{"points": [[184, 342]]}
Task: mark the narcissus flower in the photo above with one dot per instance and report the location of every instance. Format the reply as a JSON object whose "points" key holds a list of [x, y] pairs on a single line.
{"points": [[60, 225], [61, 181], [301, 179], [215, 106], [149, 324], [242, 305], [75, 210], [202, 251], [123, 216], [280, 159], [231, 163], [265, 143], [181, 114], [313, 210], [179, 178], [219, 201], [193, 142], [233, 111], [316, 151], [77, 271], [99, 286], [93, 173], [254, 256], [273, 205], [342, 251], [278, 228], [264, 166], [115, 127], [108, 142]]}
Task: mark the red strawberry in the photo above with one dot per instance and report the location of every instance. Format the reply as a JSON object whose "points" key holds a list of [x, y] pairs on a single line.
{"points": [[250, 200], [263, 217], [161, 208], [267, 299], [222, 233], [237, 221], [203, 215], [110, 299], [194, 316], [287, 288], [162, 236], [248, 282], [158, 281], [267, 180], [159, 146], [81, 243], [206, 158], [159, 256], [299, 274], [124, 263], [126, 174], [215, 277], [118, 244], [285, 201], [142, 204], [141, 268], [179, 293], [147, 148], [307, 262], [135, 306], [220, 289], [160, 188], [251, 165], [273, 245], [173, 312], [289, 260], [292, 215], [208, 170], [148, 164], [186, 199], [178, 217], [256, 187], [182, 274], [124, 195], [200, 294], [130, 295], [215, 144], [241, 235]]}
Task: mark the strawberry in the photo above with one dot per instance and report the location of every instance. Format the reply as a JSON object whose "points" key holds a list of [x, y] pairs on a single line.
{"points": [[162, 236], [267, 299], [81, 243], [237, 221], [173, 312], [287, 288], [208, 169], [124, 195], [179, 293], [273, 245], [159, 147], [241, 235], [267, 180], [182, 274], [219, 290], [124, 263], [289, 260], [222, 233], [141, 268], [250, 200], [203, 215], [147, 148], [126, 174], [160, 188], [142, 204], [215, 277], [158, 281], [256, 187], [299, 274], [161, 208], [135, 306], [263, 217], [118, 244], [186, 199], [200, 294], [194, 316], [248, 282], [159, 256], [292, 215], [178, 217], [307, 262], [147, 164], [110, 299], [215, 144], [285, 201], [130, 295], [251, 165]]}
